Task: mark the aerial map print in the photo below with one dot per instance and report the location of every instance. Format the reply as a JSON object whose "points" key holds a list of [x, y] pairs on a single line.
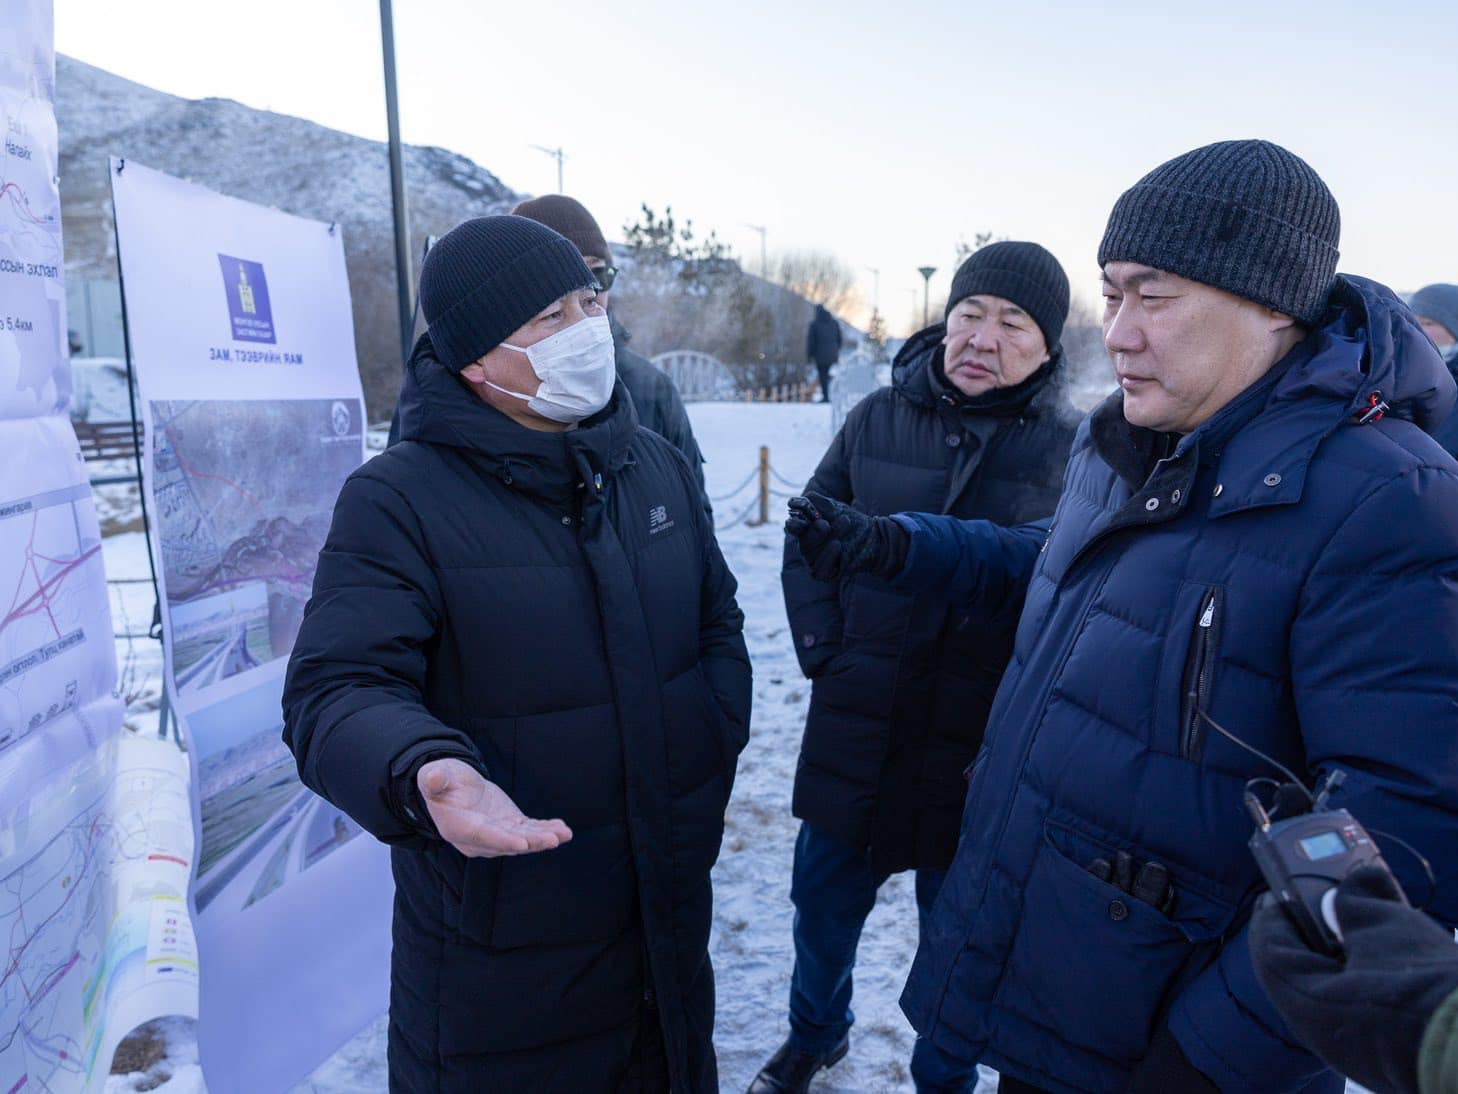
{"points": [[245, 490]]}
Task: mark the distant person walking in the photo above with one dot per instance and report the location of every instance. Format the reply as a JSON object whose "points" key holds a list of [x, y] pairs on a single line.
{"points": [[822, 347]]}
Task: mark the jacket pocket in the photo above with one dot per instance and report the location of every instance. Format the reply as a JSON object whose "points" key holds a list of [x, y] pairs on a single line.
{"points": [[1094, 965], [729, 739], [1198, 681], [583, 891]]}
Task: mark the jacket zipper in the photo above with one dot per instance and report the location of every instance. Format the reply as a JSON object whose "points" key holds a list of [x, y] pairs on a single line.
{"points": [[1199, 677]]}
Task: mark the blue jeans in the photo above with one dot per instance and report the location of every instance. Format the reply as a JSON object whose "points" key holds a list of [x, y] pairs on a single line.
{"points": [[834, 889]]}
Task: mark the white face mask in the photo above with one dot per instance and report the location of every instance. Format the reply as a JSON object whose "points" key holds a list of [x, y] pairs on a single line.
{"points": [[576, 367]]}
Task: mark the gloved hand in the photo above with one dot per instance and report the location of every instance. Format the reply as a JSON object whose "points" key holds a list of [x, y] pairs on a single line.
{"points": [[1364, 1013], [837, 541]]}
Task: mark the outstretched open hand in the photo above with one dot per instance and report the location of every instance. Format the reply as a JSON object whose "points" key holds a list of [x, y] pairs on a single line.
{"points": [[478, 818]]}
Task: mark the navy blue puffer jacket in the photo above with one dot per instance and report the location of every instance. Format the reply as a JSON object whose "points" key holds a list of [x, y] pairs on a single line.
{"points": [[1289, 572], [553, 606]]}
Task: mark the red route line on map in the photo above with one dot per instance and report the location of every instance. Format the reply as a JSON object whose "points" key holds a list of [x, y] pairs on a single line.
{"points": [[20, 201], [177, 452], [43, 592], [45, 600], [30, 546]]}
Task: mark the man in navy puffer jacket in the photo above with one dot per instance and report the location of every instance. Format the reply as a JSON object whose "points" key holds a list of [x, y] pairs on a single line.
{"points": [[1256, 532]]}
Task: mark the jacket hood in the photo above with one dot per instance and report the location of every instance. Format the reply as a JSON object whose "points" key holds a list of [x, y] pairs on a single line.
{"points": [[917, 376], [1370, 343], [436, 408]]}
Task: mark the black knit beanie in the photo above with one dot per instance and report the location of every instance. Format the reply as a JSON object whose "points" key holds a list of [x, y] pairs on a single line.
{"points": [[1024, 273], [1248, 217], [488, 276], [569, 217]]}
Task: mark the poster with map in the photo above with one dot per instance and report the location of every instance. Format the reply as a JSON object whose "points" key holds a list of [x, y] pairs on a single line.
{"points": [[96, 840], [242, 340]]}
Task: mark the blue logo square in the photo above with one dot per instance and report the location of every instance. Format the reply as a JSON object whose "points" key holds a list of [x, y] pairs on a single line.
{"points": [[248, 305]]}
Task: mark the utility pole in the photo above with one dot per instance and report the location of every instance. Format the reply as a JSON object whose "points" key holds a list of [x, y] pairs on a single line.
{"points": [[558, 155], [876, 293], [404, 277], [926, 275], [763, 253]]}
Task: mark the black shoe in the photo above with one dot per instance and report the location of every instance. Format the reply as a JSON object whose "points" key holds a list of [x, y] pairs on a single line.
{"points": [[789, 1070]]}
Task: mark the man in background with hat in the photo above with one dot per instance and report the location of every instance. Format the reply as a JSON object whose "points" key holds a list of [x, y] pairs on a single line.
{"points": [[521, 612], [1436, 307], [657, 401], [975, 424], [1254, 550]]}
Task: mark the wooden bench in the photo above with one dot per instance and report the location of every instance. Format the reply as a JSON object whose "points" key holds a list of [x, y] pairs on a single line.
{"points": [[107, 440]]}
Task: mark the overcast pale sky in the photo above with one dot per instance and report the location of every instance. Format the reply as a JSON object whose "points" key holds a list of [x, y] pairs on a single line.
{"points": [[881, 132]]}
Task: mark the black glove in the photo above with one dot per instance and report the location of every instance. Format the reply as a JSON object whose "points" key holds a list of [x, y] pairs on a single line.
{"points": [[837, 541], [1364, 1012], [1166, 1068]]}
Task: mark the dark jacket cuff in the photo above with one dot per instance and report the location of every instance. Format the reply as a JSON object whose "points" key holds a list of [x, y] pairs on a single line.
{"points": [[406, 801]]}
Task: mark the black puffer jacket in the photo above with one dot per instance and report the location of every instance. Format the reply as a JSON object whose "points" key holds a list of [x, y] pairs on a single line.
{"points": [[903, 684], [656, 399], [555, 607]]}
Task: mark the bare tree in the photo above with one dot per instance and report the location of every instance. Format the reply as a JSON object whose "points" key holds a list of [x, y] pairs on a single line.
{"points": [[820, 277], [979, 240]]}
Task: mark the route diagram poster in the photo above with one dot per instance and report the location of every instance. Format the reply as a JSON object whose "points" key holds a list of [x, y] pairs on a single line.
{"points": [[242, 341], [96, 836]]}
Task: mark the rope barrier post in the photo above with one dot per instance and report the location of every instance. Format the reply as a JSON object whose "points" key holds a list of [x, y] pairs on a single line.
{"points": [[764, 487]]}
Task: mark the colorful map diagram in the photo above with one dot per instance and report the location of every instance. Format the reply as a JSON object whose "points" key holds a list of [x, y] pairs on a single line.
{"points": [[56, 652], [96, 837], [95, 936]]}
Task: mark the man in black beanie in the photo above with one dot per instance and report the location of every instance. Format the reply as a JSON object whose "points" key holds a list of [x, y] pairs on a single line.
{"points": [[521, 612], [975, 424], [1252, 557]]}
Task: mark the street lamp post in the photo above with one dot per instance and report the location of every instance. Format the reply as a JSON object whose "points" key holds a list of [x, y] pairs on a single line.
{"points": [[763, 262], [558, 155], [926, 275], [403, 275]]}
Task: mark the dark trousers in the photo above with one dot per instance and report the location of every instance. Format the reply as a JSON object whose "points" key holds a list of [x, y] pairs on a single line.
{"points": [[824, 371], [834, 889]]}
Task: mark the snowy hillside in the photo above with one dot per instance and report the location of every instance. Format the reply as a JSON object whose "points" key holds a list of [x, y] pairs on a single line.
{"points": [[272, 159]]}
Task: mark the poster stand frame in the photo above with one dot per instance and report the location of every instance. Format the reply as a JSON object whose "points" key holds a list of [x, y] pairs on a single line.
{"points": [[167, 722]]}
